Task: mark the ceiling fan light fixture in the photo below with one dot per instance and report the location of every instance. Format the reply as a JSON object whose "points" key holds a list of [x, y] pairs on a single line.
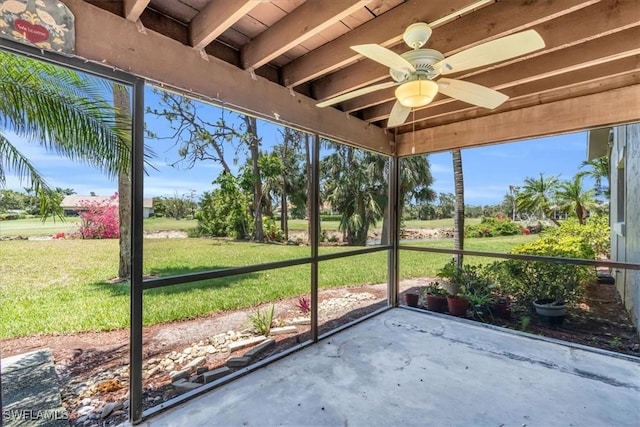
{"points": [[416, 93]]}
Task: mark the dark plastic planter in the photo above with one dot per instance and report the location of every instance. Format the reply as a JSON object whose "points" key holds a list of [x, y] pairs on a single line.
{"points": [[437, 303], [411, 299]]}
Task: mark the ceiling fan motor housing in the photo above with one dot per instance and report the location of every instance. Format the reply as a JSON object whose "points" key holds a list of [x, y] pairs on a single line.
{"points": [[416, 35], [422, 60]]}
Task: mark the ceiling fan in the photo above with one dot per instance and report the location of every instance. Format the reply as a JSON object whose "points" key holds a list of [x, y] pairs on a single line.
{"points": [[415, 72]]}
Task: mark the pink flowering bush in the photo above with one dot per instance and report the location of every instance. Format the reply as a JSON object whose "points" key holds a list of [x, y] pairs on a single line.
{"points": [[100, 219]]}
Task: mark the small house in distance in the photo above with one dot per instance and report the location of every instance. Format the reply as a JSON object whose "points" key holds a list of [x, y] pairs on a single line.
{"points": [[74, 204]]}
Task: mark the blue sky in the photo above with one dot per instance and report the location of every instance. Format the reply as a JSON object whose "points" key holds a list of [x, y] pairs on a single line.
{"points": [[488, 171]]}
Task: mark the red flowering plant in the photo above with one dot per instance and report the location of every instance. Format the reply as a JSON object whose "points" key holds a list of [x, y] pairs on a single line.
{"points": [[100, 219]]}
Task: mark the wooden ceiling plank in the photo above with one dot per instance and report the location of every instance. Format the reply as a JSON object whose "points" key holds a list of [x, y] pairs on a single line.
{"points": [[304, 22], [592, 52], [386, 30], [134, 8], [612, 107], [213, 79], [558, 32], [215, 18]]}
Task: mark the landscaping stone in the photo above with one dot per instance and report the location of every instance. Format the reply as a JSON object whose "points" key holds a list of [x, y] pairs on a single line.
{"points": [[199, 361], [215, 374], [239, 345], [283, 330], [300, 321], [238, 362], [197, 379], [260, 348], [185, 386], [175, 376], [107, 409]]}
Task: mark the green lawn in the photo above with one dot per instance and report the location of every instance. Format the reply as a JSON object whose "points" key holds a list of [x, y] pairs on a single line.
{"points": [[35, 226], [62, 285]]}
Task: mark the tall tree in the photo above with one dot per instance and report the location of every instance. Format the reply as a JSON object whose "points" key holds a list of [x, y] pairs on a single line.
{"points": [[573, 196], [64, 111], [536, 195], [253, 142], [353, 182], [199, 138], [122, 103], [415, 182], [458, 219], [599, 170]]}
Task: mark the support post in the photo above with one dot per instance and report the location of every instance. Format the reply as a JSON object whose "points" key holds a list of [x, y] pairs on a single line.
{"points": [[137, 184], [394, 227], [315, 234]]}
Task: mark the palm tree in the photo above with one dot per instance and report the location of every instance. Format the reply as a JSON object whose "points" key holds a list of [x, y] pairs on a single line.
{"points": [[62, 110], [572, 195], [458, 219], [536, 195], [599, 170]]}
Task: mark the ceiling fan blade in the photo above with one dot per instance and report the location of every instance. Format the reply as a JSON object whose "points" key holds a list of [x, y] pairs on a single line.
{"points": [[471, 93], [399, 114], [355, 93], [494, 51], [384, 56]]}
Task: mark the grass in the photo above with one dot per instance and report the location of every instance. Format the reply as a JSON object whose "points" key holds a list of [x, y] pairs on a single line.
{"points": [[35, 227], [59, 286]]}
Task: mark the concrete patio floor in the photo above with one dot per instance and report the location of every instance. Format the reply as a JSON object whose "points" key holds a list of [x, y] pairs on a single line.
{"points": [[411, 368]]}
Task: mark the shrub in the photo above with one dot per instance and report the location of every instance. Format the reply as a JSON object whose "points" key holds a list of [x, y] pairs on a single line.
{"points": [[493, 227], [262, 320], [100, 219], [595, 233], [223, 211], [326, 217], [272, 232], [528, 281], [304, 304]]}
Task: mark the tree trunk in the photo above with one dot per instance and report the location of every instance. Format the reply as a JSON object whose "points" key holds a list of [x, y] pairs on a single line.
{"points": [[121, 102], [254, 148], [458, 219]]}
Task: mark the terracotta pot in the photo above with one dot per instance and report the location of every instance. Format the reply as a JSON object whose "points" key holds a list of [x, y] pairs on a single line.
{"points": [[411, 299], [501, 309], [436, 303], [457, 306]]}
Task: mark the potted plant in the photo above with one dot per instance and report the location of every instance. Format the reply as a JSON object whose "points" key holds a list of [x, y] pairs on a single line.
{"points": [[500, 306], [454, 277], [411, 299], [435, 297], [457, 305], [549, 286]]}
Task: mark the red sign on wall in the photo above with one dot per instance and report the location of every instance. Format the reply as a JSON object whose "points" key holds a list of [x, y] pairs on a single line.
{"points": [[46, 24]]}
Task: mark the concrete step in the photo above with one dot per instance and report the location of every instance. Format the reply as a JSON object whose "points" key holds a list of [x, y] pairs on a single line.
{"points": [[30, 391]]}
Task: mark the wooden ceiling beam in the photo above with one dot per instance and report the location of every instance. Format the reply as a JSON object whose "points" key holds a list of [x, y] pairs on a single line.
{"points": [[386, 30], [134, 8], [496, 21], [216, 18], [304, 22], [592, 52], [181, 67], [607, 108]]}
